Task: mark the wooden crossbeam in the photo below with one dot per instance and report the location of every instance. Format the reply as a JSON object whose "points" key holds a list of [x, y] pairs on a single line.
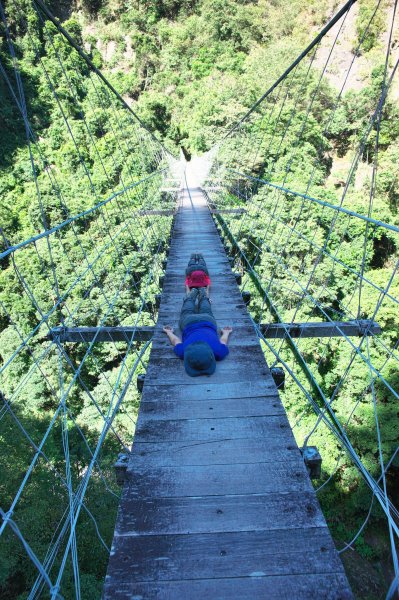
{"points": [[101, 334], [319, 330], [228, 211], [166, 213], [269, 330]]}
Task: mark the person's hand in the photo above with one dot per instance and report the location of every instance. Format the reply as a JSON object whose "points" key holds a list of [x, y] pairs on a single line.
{"points": [[227, 329], [168, 329]]}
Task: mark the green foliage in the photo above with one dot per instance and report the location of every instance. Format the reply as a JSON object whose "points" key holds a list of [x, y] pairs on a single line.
{"points": [[369, 29], [95, 270], [191, 69]]}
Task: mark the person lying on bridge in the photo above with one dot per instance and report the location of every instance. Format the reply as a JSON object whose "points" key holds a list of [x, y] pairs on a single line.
{"points": [[197, 275], [201, 346]]}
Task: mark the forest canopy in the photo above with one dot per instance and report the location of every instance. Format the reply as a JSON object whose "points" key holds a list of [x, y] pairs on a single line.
{"points": [[190, 69]]}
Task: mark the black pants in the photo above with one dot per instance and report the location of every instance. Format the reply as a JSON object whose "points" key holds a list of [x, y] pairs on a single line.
{"points": [[192, 313]]}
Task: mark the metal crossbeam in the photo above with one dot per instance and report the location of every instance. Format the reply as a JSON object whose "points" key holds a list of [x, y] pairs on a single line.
{"points": [[320, 330], [101, 334]]}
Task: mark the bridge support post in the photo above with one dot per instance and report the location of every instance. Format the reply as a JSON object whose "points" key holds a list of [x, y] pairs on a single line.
{"points": [[246, 296], [120, 468], [238, 277], [278, 375], [313, 460]]}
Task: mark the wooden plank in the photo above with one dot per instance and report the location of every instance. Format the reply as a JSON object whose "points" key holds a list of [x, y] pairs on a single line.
{"points": [[237, 316], [235, 308], [209, 555], [230, 292], [208, 514], [222, 321], [244, 351], [223, 284], [161, 346], [239, 322], [160, 371], [172, 303], [153, 430], [179, 270], [198, 243], [320, 329], [325, 586], [226, 407], [218, 480], [158, 391], [213, 451]]}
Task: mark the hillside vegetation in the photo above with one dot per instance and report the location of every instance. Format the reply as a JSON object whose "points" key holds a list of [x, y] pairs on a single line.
{"points": [[190, 69]]}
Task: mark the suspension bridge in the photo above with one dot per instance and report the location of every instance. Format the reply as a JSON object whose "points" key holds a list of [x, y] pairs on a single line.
{"points": [[216, 493], [218, 500]]}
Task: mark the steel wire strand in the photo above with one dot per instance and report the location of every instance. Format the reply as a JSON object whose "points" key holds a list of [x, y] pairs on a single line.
{"points": [[287, 365], [82, 115], [53, 589], [55, 416], [315, 41], [328, 318], [325, 66], [324, 251], [317, 262], [61, 299], [93, 68], [69, 127], [69, 360], [299, 97], [340, 434], [375, 158], [64, 395], [75, 145], [335, 106], [111, 413], [58, 192], [78, 500]]}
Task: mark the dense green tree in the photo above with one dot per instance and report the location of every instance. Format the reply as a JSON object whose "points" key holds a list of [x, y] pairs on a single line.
{"points": [[191, 69]]}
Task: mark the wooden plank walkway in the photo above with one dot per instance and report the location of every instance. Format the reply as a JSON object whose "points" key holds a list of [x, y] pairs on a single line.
{"points": [[218, 503]]}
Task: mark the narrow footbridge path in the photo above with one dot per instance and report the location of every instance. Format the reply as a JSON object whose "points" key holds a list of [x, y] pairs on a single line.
{"points": [[217, 503]]}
